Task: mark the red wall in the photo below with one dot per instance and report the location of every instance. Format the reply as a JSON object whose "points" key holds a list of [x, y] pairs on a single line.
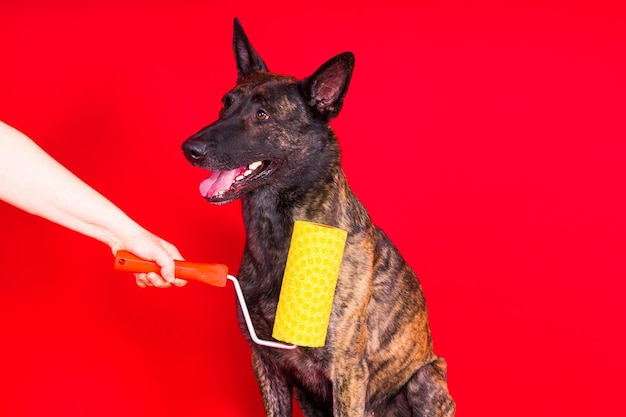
{"points": [[488, 141]]}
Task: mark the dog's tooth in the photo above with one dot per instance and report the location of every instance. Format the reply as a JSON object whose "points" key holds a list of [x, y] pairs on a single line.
{"points": [[248, 172], [255, 165], [239, 178]]}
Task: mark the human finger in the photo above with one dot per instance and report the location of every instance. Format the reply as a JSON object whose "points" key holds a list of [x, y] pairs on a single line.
{"points": [[142, 281], [157, 280]]}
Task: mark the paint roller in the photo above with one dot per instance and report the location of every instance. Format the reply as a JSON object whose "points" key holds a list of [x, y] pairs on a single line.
{"points": [[307, 291]]}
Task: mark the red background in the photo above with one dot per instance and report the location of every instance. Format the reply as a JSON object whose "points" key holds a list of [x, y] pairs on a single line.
{"points": [[487, 141]]}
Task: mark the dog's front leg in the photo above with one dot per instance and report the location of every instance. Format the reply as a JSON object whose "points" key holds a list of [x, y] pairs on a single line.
{"points": [[275, 391], [350, 390]]}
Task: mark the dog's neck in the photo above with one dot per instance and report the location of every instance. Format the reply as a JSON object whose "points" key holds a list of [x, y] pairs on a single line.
{"points": [[269, 216]]}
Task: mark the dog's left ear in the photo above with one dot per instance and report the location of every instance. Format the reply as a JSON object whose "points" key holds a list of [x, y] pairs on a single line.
{"points": [[248, 60], [327, 87]]}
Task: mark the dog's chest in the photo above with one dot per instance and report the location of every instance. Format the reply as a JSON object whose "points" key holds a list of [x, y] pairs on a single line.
{"points": [[307, 368]]}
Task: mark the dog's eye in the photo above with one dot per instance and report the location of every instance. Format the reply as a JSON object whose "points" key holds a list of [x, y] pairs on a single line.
{"points": [[261, 115]]}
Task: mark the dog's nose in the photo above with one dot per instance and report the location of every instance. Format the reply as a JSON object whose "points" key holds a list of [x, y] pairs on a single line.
{"points": [[194, 150]]}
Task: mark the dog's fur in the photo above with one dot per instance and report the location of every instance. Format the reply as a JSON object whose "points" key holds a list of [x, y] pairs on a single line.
{"points": [[378, 358]]}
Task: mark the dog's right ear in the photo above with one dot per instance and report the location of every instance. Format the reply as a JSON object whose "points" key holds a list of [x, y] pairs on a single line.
{"points": [[248, 61]]}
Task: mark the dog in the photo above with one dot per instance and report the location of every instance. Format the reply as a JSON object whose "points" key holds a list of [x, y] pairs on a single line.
{"points": [[272, 147]]}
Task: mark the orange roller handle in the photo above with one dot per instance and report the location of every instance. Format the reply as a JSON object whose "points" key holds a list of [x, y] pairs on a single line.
{"points": [[212, 274]]}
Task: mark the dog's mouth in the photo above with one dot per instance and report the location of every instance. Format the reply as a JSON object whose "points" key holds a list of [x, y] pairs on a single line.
{"points": [[225, 186]]}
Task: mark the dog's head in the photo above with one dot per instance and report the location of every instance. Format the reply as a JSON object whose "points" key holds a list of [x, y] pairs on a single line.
{"points": [[272, 129]]}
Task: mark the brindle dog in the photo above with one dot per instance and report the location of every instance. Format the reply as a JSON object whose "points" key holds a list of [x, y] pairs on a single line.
{"points": [[273, 148]]}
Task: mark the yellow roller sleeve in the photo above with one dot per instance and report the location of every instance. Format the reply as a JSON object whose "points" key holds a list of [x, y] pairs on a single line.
{"points": [[308, 288]]}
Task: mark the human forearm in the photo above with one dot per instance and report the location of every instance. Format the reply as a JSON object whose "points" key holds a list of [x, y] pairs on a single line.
{"points": [[33, 181]]}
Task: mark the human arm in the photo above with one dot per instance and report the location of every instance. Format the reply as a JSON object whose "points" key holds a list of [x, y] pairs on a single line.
{"points": [[33, 181]]}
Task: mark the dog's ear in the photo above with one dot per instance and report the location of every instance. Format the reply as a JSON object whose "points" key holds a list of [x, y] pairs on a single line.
{"points": [[248, 61], [327, 87]]}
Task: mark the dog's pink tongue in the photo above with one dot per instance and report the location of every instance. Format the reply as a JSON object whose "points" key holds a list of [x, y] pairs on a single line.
{"points": [[218, 181]]}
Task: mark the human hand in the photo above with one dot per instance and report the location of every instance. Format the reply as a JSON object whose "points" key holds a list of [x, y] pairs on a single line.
{"points": [[152, 248]]}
